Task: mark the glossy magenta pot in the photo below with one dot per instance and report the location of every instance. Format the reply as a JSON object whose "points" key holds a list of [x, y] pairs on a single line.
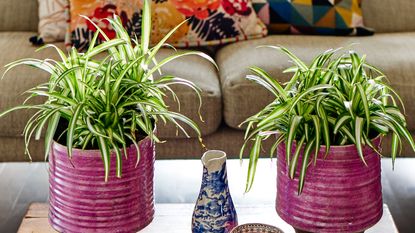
{"points": [[80, 200], [340, 194]]}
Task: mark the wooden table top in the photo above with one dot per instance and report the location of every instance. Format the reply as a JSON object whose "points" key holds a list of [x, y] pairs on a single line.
{"points": [[176, 218]]}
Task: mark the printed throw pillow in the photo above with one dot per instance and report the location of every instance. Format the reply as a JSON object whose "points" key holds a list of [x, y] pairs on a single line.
{"points": [[321, 17], [53, 21], [209, 22]]}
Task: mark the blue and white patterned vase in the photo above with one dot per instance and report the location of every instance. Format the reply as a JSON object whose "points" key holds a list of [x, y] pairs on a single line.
{"points": [[214, 211]]}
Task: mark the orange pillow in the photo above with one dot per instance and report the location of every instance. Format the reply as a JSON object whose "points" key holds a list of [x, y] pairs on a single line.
{"points": [[209, 22]]}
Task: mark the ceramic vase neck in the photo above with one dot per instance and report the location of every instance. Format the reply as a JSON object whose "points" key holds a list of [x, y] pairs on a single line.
{"points": [[213, 160]]}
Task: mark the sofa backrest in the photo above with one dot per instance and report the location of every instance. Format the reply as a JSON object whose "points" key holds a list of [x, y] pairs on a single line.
{"points": [[18, 15], [382, 15], [389, 15]]}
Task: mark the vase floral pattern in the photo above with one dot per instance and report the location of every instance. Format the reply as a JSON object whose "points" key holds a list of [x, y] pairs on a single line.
{"points": [[214, 211], [208, 22]]}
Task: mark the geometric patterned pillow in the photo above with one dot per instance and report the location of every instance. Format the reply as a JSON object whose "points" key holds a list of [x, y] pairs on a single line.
{"points": [[321, 17], [209, 22]]}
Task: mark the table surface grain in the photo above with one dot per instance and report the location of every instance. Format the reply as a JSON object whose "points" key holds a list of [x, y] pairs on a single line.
{"points": [[176, 218]]}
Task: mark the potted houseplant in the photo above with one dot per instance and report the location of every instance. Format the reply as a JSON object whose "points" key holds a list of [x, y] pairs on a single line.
{"points": [[100, 117], [328, 121]]}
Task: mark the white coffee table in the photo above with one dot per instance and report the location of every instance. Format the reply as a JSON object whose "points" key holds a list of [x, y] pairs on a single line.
{"points": [[176, 218], [177, 184]]}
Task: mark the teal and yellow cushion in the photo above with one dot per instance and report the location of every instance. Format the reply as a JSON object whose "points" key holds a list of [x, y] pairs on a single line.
{"points": [[322, 17]]}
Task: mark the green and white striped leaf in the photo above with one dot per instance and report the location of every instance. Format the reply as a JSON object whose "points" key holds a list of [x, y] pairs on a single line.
{"points": [[253, 160], [106, 155], [294, 123], [294, 160], [358, 135], [306, 158]]}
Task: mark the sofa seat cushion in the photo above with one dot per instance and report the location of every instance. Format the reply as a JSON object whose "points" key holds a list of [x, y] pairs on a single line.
{"points": [[14, 45], [393, 53]]}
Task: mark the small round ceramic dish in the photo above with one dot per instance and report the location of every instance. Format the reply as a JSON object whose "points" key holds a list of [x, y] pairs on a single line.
{"points": [[256, 228]]}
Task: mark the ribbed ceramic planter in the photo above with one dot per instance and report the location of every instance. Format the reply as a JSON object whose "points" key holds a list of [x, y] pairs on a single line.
{"points": [[80, 200], [340, 193]]}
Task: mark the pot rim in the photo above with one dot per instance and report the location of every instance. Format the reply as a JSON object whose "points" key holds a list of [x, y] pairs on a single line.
{"points": [[322, 146], [58, 146]]}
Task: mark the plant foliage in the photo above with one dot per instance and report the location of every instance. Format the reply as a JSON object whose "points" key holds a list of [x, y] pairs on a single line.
{"points": [[336, 100], [109, 102]]}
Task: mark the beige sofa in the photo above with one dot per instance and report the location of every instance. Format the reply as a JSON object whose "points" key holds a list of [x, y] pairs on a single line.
{"points": [[227, 97]]}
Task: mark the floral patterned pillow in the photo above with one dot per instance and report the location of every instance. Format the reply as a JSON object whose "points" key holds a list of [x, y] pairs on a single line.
{"points": [[209, 22]]}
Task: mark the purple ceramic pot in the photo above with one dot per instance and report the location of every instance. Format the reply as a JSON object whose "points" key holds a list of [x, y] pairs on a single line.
{"points": [[340, 194], [80, 200]]}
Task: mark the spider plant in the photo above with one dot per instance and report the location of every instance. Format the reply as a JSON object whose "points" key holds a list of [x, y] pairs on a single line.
{"points": [[104, 103], [336, 100]]}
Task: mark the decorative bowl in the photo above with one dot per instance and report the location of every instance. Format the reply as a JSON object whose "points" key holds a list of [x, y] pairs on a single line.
{"points": [[256, 228]]}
